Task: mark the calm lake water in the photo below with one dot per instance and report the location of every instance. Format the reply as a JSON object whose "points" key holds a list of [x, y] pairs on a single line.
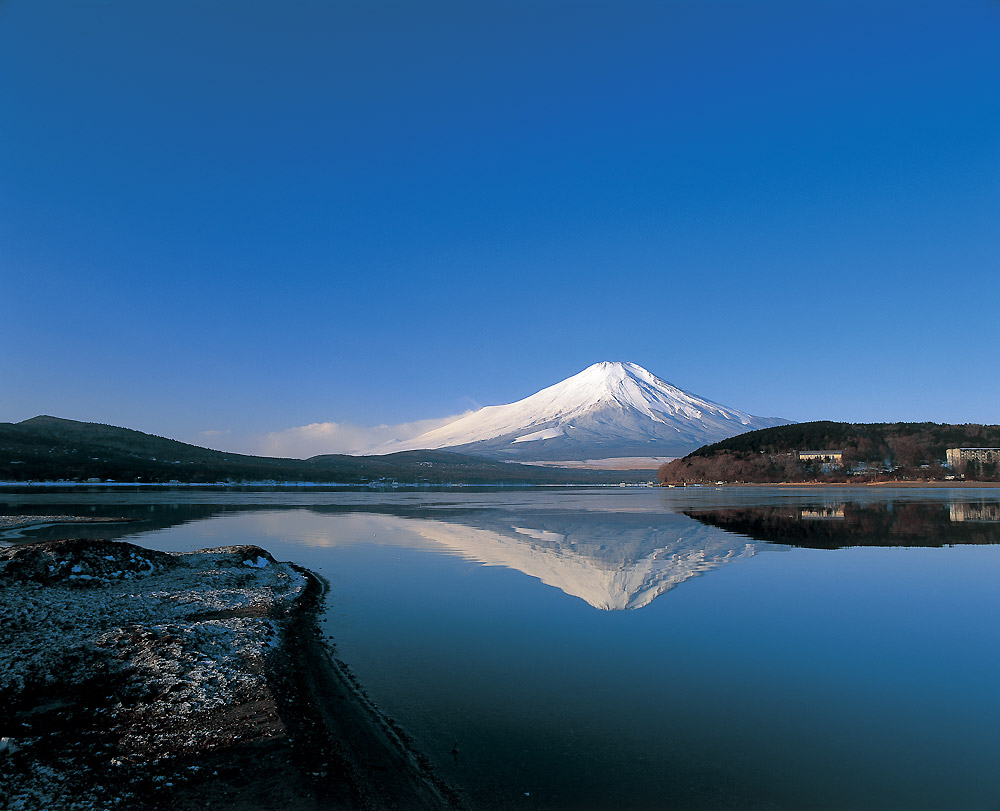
{"points": [[647, 648]]}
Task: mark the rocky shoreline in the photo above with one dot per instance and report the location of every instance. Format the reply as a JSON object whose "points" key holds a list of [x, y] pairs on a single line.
{"points": [[134, 679]]}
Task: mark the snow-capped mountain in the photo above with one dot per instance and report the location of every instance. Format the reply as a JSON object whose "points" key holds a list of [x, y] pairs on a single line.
{"points": [[607, 410]]}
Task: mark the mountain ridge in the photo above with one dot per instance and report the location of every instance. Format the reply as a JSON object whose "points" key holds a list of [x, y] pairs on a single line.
{"points": [[48, 448]]}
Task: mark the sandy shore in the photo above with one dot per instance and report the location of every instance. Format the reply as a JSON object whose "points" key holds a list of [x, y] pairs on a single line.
{"points": [[133, 679]]}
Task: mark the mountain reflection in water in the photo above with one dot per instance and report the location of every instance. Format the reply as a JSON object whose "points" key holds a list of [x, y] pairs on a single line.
{"points": [[833, 526], [613, 562]]}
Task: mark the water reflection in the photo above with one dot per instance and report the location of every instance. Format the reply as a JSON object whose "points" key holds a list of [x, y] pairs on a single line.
{"points": [[612, 562], [833, 526], [138, 517], [979, 511]]}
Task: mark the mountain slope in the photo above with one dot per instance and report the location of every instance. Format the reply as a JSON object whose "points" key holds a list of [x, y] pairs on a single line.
{"points": [[50, 449], [607, 410]]}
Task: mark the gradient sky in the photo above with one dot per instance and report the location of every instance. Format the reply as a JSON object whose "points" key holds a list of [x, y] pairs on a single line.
{"points": [[243, 216]]}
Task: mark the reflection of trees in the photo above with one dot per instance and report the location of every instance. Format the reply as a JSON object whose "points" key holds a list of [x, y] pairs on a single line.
{"points": [[891, 524]]}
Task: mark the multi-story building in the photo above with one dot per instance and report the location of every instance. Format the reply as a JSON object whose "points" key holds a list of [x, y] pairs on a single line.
{"points": [[958, 457]]}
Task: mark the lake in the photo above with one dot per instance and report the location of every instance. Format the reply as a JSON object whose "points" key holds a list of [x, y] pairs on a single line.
{"points": [[645, 648]]}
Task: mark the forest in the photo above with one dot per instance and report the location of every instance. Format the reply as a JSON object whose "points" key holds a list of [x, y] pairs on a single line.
{"points": [[870, 452]]}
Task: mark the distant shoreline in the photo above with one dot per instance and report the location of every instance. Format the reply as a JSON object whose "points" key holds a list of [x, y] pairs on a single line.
{"points": [[958, 485], [373, 488], [905, 485]]}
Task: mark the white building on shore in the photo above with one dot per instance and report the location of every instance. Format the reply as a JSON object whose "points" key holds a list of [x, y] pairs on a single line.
{"points": [[821, 456]]}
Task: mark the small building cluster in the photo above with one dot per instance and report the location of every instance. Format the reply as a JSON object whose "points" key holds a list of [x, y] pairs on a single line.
{"points": [[828, 460], [821, 456]]}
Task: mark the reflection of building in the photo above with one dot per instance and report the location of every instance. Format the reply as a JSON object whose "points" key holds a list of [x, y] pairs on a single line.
{"points": [[958, 457], [821, 456], [822, 513], [984, 511]]}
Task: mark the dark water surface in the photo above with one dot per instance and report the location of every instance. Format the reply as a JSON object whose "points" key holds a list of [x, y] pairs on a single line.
{"points": [[647, 648]]}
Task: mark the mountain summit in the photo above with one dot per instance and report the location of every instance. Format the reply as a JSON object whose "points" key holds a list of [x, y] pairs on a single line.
{"points": [[607, 410]]}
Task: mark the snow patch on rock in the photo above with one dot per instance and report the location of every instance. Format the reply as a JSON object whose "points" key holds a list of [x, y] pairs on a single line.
{"points": [[113, 659]]}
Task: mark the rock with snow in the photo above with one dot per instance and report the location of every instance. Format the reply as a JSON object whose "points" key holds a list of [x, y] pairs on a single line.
{"points": [[607, 410], [119, 665]]}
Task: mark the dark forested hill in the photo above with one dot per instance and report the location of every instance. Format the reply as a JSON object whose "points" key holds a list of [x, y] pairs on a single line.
{"points": [[51, 449], [875, 450]]}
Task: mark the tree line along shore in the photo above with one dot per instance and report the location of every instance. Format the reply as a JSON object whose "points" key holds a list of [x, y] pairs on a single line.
{"points": [[841, 452]]}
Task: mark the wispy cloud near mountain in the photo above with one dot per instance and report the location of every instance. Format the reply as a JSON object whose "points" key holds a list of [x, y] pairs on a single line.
{"points": [[609, 410], [303, 441]]}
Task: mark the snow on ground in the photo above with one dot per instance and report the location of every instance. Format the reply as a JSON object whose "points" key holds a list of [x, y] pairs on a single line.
{"points": [[115, 661], [612, 463], [547, 433]]}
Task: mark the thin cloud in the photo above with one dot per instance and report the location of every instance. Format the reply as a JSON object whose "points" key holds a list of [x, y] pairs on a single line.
{"points": [[318, 438]]}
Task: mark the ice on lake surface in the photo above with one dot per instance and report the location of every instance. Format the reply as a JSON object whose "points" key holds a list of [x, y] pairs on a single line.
{"points": [[647, 648]]}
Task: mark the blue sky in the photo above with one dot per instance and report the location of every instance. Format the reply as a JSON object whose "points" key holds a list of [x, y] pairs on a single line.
{"points": [[242, 217]]}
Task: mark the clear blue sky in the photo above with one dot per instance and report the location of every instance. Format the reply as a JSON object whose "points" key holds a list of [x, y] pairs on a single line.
{"points": [[245, 216]]}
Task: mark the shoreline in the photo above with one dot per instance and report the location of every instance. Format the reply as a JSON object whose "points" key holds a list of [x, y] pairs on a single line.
{"points": [[352, 731], [903, 485], [134, 679], [340, 750]]}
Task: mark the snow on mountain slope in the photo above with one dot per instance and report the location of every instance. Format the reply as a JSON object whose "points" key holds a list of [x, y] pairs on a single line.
{"points": [[608, 409]]}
